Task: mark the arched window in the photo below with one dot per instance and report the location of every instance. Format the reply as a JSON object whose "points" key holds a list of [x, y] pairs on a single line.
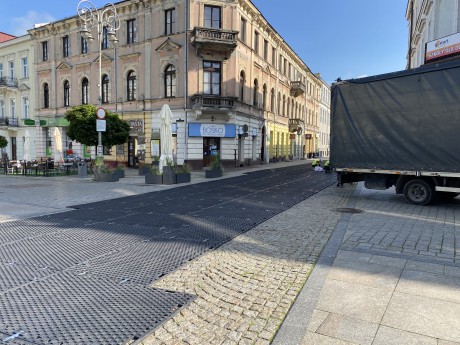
{"points": [[170, 81], [284, 105], [84, 91], [256, 91], [279, 103], [288, 107], [242, 82], [132, 86], [105, 88], [46, 96], [272, 101], [264, 97], [66, 93]]}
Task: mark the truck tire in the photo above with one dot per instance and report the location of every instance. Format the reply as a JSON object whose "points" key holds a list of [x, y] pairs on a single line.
{"points": [[419, 192]]}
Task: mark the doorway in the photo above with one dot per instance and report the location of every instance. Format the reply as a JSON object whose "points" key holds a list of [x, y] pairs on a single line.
{"points": [[14, 155], [262, 146], [211, 148], [132, 149]]}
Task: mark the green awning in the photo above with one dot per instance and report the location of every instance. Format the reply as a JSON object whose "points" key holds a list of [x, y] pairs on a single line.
{"points": [[54, 122], [29, 122]]}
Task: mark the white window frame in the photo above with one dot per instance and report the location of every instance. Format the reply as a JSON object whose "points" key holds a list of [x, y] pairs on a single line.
{"points": [[2, 109], [1, 70], [25, 107], [25, 67], [12, 108], [11, 67]]}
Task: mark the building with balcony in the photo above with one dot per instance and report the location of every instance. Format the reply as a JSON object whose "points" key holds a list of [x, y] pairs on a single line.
{"points": [[324, 119], [16, 99], [435, 21], [235, 87]]}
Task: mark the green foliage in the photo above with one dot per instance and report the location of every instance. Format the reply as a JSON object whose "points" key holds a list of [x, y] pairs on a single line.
{"points": [[216, 164], [183, 169], [155, 170], [156, 158], [169, 162], [120, 166], [82, 127], [3, 142]]}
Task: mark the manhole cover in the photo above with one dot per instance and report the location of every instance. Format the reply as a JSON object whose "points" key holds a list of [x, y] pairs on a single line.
{"points": [[347, 210]]}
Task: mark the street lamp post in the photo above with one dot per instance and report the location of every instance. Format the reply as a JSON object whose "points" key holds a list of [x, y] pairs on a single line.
{"points": [[104, 17]]}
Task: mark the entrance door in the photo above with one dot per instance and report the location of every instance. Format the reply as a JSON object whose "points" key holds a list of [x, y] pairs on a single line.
{"points": [[211, 147], [14, 156], [262, 146], [132, 159]]}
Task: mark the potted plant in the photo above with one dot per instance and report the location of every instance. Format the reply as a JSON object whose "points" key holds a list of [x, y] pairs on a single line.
{"points": [[183, 174], [143, 169], [120, 170], [169, 174], [215, 169], [154, 176], [156, 160], [102, 173]]}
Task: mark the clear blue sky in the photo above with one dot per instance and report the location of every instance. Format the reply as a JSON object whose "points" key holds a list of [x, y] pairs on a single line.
{"points": [[337, 38]]}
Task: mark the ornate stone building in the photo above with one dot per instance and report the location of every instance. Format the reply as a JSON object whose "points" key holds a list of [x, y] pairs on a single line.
{"points": [[235, 87], [430, 20], [17, 104]]}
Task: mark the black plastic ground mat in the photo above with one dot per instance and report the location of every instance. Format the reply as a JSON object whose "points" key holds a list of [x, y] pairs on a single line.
{"points": [[82, 277], [69, 309]]}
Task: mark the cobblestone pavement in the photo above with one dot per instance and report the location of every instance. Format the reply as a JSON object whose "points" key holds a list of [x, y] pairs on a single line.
{"points": [[245, 287], [391, 226]]}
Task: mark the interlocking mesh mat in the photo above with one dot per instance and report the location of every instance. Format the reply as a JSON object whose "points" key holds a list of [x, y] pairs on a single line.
{"points": [[83, 276]]}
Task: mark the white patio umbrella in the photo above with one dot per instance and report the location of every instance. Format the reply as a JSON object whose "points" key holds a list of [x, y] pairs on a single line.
{"points": [[27, 147], [166, 142], [57, 145]]}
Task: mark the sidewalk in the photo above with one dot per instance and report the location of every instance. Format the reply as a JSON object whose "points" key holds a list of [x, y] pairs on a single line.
{"points": [[388, 275]]}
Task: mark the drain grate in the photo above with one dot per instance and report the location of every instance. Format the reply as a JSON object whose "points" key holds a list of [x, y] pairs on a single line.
{"points": [[347, 210]]}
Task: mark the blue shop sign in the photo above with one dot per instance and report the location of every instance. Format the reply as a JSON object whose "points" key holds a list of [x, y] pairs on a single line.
{"points": [[211, 130]]}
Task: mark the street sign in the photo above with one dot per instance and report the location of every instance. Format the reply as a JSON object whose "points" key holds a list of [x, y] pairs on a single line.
{"points": [[101, 125], [100, 114]]}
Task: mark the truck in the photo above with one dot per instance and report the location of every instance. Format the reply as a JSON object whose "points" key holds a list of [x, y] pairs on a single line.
{"points": [[399, 129]]}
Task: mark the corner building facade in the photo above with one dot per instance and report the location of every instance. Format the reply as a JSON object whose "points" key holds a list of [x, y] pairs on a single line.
{"points": [[235, 87]]}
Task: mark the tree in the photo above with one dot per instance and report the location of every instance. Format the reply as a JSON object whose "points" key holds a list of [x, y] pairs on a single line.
{"points": [[3, 142], [82, 127]]}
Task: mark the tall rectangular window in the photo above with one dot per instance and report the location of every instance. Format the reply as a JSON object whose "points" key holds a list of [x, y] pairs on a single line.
{"points": [[273, 56], [131, 31], [243, 30], [256, 42], [266, 50], [105, 38], [170, 21], [212, 17], [11, 66], [211, 77], [45, 51], [12, 108], [25, 67], [65, 46], [25, 107], [84, 45], [1, 71], [2, 109]]}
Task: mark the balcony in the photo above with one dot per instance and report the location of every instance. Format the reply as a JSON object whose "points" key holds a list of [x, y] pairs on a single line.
{"points": [[8, 82], [213, 102], [296, 125], [6, 121], [214, 42], [297, 88]]}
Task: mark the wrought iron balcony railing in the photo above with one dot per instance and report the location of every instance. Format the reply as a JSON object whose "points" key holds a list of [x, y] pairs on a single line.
{"points": [[8, 82], [212, 101], [297, 88]]}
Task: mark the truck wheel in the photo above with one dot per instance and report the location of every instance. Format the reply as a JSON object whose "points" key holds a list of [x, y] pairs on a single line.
{"points": [[419, 192]]}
